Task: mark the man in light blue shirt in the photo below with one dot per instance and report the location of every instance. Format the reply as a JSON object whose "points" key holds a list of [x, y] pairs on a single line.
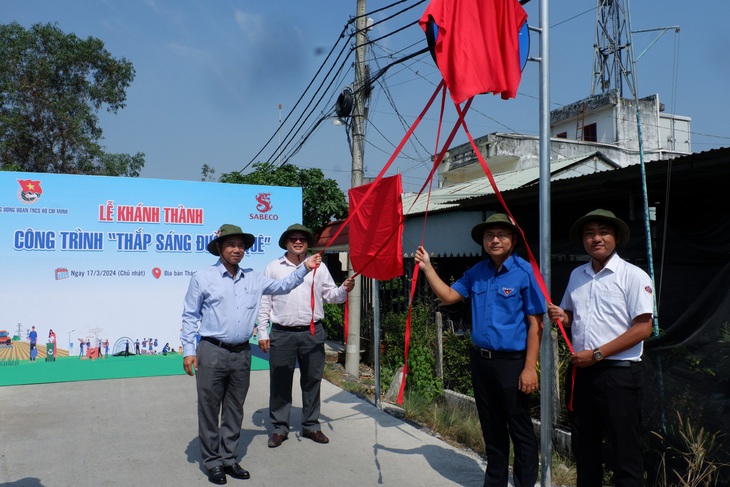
{"points": [[221, 305]]}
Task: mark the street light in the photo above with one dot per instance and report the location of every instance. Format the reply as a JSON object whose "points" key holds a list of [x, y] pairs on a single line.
{"points": [[70, 345]]}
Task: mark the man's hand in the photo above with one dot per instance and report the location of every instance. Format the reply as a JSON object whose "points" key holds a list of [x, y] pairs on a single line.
{"points": [[584, 358], [528, 381], [190, 363], [264, 345], [421, 257], [555, 313], [349, 284], [313, 262]]}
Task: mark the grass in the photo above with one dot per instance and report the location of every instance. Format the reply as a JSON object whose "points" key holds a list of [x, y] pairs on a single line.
{"points": [[689, 458]]}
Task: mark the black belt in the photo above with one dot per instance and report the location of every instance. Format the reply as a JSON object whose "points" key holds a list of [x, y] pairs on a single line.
{"points": [[278, 327], [490, 354], [610, 364], [227, 346]]}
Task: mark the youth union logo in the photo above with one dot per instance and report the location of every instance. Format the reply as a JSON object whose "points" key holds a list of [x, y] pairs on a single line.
{"points": [[30, 191]]}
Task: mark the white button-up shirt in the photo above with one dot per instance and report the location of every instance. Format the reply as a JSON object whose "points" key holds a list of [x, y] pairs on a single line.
{"points": [[295, 308], [604, 304]]}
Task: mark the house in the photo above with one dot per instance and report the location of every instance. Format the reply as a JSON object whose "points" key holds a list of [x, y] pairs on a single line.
{"points": [[603, 123]]}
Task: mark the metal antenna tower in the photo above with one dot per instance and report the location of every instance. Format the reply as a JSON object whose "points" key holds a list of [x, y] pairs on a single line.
{"points": [[612, 57]]}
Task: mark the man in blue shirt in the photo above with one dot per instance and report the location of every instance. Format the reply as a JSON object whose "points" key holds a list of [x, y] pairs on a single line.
{"points": [[221, 305], [507, 308], [33, 338]]}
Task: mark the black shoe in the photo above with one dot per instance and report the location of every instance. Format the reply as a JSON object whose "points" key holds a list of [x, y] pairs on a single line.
{"points": [[217, 475], [236, 472], [276, 439], [316, 436]]}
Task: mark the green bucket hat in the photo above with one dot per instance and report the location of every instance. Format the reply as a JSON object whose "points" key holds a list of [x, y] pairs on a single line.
{"points": [[228, 230], [576, 230], [497, 219], [296, 228]]}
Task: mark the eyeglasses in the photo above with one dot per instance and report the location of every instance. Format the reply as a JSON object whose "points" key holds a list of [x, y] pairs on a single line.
{"points": [[298, 239], [501, 236]]}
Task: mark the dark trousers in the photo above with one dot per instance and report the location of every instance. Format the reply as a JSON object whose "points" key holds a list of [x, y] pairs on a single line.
{"points": [[504, 413], [222, 379], [288, 347], [607, 403]]}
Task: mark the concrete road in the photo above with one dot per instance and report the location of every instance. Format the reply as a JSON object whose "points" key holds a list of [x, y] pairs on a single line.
{"points": [[143, 431]]}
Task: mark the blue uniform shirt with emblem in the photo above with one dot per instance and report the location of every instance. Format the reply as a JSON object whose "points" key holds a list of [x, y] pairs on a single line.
{"points": [[501, 300]]}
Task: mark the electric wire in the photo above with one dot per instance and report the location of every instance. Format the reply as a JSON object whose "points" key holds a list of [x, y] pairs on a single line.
{"points": [[667, 190], [299, 100], [294, 132], [306, 114], [302, 120]]}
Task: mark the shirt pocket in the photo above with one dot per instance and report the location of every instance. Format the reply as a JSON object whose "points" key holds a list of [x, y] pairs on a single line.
{"points": [[251, 299], [508, 304], [479, 300], [507, 292], [613, 304]]}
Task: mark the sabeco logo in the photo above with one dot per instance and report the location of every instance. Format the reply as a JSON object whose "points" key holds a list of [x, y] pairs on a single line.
{"points": [[263, 206], [264, 202]]}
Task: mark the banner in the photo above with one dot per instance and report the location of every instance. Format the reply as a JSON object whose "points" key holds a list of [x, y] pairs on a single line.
{"points": [[376, 230], [96, 258]]}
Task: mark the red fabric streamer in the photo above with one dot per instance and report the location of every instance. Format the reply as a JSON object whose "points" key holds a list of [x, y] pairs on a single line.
{"points": [[414, 278], [477, 47], [346, 319], [311, 301], [377, 229], [354, 211]]}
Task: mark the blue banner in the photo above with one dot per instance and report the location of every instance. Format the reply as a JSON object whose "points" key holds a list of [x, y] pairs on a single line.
{"points": [[111, 258]]}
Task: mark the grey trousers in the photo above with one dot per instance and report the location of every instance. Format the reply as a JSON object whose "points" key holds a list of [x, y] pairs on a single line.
{"points": [[288, 347], [222, 379]]}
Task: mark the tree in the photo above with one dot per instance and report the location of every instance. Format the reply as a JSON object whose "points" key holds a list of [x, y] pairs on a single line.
{"points": [[322, 199], [52, 86]]}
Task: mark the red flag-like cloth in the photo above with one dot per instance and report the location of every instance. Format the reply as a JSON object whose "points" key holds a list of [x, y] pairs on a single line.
{"points": [[477, 49], [376, 244]]}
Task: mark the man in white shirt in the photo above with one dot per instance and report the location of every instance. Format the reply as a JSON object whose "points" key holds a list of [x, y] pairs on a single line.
{"points": [[608, 305], [292, 339]]}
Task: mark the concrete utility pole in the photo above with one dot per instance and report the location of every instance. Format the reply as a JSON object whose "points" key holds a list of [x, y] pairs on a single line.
{"points": [[352, 355]]}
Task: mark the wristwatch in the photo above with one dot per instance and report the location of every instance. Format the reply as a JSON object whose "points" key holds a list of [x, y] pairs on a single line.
{"points": [[597, 354]]}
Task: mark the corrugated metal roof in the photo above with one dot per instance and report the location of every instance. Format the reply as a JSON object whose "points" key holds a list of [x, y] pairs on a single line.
{"points": [[451, 196]]}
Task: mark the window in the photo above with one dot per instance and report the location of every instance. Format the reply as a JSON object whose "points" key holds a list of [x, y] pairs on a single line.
{"points": [[589, 133], [562, 135]]}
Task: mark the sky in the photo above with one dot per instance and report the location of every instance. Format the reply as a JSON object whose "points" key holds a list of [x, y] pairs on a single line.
{"points": [[211, 75]]}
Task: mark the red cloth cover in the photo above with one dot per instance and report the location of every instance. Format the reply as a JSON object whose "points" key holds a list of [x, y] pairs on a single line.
{"points": [[376, 228], [477, 48]]}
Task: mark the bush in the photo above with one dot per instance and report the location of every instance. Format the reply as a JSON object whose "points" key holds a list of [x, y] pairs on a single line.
{"points": [[422, 351], [457, 375], [333, 320]]}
